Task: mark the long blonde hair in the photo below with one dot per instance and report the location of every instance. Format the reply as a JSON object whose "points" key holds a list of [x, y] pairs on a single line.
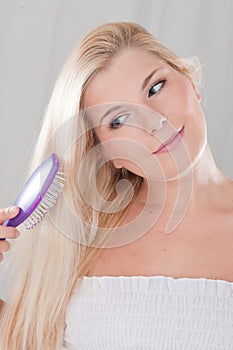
{"points": [[47, 264]]}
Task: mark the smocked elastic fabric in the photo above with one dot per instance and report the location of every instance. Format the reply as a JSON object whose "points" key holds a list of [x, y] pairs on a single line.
{"points": [[150, 312]]}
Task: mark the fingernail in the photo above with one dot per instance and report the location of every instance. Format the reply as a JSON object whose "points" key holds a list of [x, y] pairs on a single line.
{"points": [[13, 210]]}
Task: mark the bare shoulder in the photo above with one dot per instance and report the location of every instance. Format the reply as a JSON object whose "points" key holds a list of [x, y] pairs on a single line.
{"points": [[230, 187], [221, 199]]}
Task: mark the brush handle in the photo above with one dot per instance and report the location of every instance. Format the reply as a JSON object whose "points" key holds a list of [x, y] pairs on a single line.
{"points": [[14, 221], [34, 190]]}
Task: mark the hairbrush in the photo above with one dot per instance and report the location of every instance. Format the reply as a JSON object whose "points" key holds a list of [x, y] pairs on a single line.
{"points": [[39, 194]]}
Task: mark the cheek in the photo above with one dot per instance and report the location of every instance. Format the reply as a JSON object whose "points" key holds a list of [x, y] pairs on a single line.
{"points": [[180, 101], [184, 102], [121, 138], [128, 149], [123, 150]]}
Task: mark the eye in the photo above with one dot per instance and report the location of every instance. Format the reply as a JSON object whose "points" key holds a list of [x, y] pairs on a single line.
{"points": [[117, 122], [156, 87]]}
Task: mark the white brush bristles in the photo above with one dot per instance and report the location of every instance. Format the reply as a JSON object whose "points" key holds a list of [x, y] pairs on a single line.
{"points": [[49, 200]]}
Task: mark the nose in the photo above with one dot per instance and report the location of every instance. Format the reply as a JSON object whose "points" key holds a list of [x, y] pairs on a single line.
{"points": [[159, 123], [148, 119], [153, 121]]}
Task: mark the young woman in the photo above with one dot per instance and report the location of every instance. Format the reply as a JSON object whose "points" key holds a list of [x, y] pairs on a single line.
{"points": [[142, 258]]}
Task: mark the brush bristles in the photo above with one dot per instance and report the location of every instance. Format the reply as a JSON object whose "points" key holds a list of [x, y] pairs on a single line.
{"points": [[47, 202]]}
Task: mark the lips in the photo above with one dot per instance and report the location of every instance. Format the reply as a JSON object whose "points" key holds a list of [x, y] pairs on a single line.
{"points": [[170, 139]]}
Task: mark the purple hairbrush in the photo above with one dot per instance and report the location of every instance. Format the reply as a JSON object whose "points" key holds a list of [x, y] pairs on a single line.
{"points": [[39, 194]]}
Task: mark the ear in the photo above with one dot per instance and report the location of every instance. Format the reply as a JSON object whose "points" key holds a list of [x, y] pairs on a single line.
{"points": [[196, 91], [198, 95]]}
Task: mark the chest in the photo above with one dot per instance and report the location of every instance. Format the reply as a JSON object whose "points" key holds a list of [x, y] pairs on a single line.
{"points": [[201, 247]]}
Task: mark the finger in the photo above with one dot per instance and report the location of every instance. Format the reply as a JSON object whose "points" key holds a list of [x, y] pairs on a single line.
{"points": [[1, 257], [4, 246], [8, 232], [8, 213]]}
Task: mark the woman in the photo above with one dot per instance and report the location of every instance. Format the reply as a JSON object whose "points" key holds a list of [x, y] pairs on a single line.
{"points": [[135, 109]]}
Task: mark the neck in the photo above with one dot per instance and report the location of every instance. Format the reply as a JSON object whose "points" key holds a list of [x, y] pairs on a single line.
{"points": [[205, 186]]}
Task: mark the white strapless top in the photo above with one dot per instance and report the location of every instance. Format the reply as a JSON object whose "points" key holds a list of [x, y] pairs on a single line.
{"points": [[145, 313]]}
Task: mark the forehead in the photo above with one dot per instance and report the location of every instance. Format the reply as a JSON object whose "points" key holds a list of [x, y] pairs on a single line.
{"points": [[122, 79]]}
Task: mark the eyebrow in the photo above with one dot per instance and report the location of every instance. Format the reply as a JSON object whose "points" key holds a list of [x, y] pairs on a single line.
{"points": [[113, 109], [146, 81]]}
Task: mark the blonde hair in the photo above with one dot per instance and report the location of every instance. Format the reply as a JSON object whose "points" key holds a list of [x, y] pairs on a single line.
{"points": [[46, 264]]}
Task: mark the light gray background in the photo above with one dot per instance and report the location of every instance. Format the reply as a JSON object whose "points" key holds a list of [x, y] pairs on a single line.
{"points": [[36, 36]]}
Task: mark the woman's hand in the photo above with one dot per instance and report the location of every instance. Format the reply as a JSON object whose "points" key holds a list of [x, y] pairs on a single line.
{"points": [[5, 231]]}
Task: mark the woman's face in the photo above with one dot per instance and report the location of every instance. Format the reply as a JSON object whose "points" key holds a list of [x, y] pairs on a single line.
{"points": [[127, 103]]}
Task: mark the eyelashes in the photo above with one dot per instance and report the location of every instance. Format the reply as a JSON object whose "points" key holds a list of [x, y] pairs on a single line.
{"points": [[156, 87], [118, 122]]}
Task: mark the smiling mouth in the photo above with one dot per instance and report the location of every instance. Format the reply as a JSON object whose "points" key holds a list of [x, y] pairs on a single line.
{"points": [[174, 139]]}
